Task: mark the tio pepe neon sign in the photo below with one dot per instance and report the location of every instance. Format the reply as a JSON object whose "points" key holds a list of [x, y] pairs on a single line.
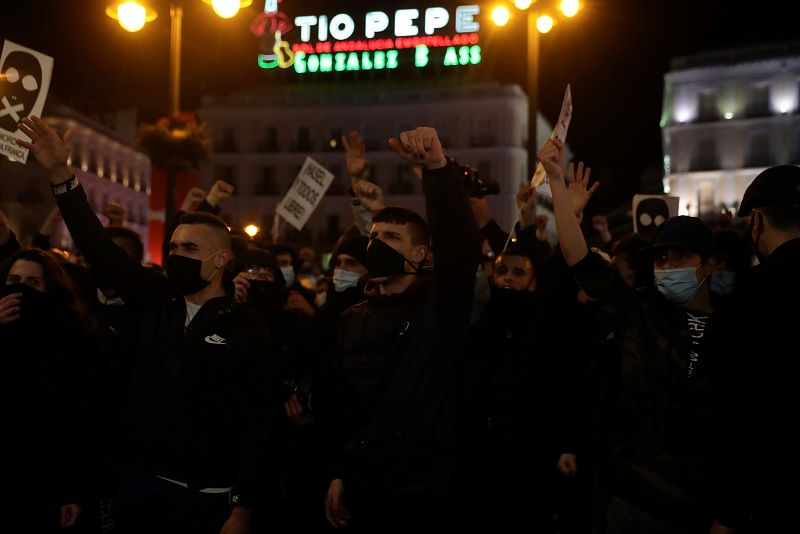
{"points": [[327, 44]]}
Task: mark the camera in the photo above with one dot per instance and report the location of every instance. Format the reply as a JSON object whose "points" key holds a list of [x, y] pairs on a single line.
{"points": [[476, 186]]}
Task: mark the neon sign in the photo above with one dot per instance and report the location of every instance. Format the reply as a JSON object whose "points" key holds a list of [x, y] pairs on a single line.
{"points": [[338, 44]]}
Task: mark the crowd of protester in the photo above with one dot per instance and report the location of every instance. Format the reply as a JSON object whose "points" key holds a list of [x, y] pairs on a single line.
{"points": [[440, 372]]}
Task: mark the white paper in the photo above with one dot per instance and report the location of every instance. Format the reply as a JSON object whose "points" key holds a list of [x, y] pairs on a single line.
{"points": [[539, 180], [24, 83], [305, 194]]}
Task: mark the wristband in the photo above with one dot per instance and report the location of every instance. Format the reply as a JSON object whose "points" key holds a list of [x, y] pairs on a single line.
{"points": [[65, 187]]}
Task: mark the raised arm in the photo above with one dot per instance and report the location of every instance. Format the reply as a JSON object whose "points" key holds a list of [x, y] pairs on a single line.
{"points": [[122, 273], [455, 236], [567, 202]]}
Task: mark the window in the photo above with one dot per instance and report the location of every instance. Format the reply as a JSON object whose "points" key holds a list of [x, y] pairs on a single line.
{"points": [[270, 141], [707, 106], [705, 157], [225, 173], [758, 101], [302, 140], [226, 142], [267, 185]]}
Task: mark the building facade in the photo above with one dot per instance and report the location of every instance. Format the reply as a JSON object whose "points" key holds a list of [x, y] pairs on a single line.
{"points": [[109, 169], [262, 139], [727, 116]]}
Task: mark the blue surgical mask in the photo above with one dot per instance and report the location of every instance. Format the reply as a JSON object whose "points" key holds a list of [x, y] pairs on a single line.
{"points": [[722, 282], [288, 275], [679, 286], [344, 279]]}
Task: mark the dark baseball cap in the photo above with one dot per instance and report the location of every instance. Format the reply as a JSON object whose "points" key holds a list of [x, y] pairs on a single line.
{"points": [[776, 186], [682, 233]]}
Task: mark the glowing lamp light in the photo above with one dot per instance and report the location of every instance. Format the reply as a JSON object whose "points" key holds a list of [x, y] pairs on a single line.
{"points": [[131, 15], [570, 7], [252, 230], [332, 143], [544, 23], [523, 4], [501, 15], [227, 9], [728, 115]]}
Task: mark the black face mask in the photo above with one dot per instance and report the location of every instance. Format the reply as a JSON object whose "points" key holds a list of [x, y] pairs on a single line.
{"points": [[184, 274], [382, 260], [35, 305], [510, 301], [266, 295]]}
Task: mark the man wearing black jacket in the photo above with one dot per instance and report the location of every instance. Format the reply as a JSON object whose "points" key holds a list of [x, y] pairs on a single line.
{"points": [[196, 432], [395, 405]]}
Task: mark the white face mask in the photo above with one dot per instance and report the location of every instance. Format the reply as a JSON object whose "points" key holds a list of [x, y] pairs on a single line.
{"points": [[288, 275], [344, 279]]}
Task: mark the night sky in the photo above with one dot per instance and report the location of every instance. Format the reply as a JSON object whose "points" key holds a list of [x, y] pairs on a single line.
{"points": [[614, 54]]}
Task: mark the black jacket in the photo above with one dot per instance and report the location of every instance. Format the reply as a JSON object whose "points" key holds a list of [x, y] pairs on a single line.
{"points": [[395, 406], [203, 400]]}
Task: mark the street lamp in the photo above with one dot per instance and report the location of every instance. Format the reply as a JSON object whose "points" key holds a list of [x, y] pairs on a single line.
{"points": [[540, 17], [132, 16]]}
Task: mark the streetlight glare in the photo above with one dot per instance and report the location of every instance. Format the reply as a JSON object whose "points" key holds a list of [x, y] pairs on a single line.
{"points": [[227, 9], [523, 4], [252, 230], [544, 23], [130, 14], [501, 15], [570, 7]]}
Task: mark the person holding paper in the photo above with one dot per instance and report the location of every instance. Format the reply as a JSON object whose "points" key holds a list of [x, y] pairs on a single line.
{"points": [[659, 469]]}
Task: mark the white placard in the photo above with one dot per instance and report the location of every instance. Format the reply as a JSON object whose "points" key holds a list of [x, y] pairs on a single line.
{"points": [[305, 194], [650, 211], [24, 82], [539, 181]]}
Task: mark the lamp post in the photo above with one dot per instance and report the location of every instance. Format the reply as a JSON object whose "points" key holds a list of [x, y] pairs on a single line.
{"points": [[132, 16], [537, 20]]}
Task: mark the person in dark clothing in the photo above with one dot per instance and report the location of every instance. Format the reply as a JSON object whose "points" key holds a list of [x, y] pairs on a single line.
{"points": [[394, 411], [49, 346], [349, 278], [197, 435], [762, 400], [659, 468], [525, 380]]}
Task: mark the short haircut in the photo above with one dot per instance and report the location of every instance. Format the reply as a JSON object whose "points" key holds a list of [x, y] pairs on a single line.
{"points": [[417, 227], [120, 232], [521, 252], [208, 219], [783, 217], [282, 249]]}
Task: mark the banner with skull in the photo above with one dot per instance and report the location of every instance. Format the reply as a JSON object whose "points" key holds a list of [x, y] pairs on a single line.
{"points": [[650, 211], [24, 81]]}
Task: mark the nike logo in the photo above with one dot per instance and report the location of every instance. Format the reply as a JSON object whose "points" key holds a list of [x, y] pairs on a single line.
{"points": [[215, 339]]}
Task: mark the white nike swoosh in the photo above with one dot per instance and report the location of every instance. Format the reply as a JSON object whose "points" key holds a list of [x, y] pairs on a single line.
{"points": [[214, 342]]}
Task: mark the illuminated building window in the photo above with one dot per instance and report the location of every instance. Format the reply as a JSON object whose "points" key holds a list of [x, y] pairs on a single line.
{"points": [[707, 106], [758, 101], [705, 157]]}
